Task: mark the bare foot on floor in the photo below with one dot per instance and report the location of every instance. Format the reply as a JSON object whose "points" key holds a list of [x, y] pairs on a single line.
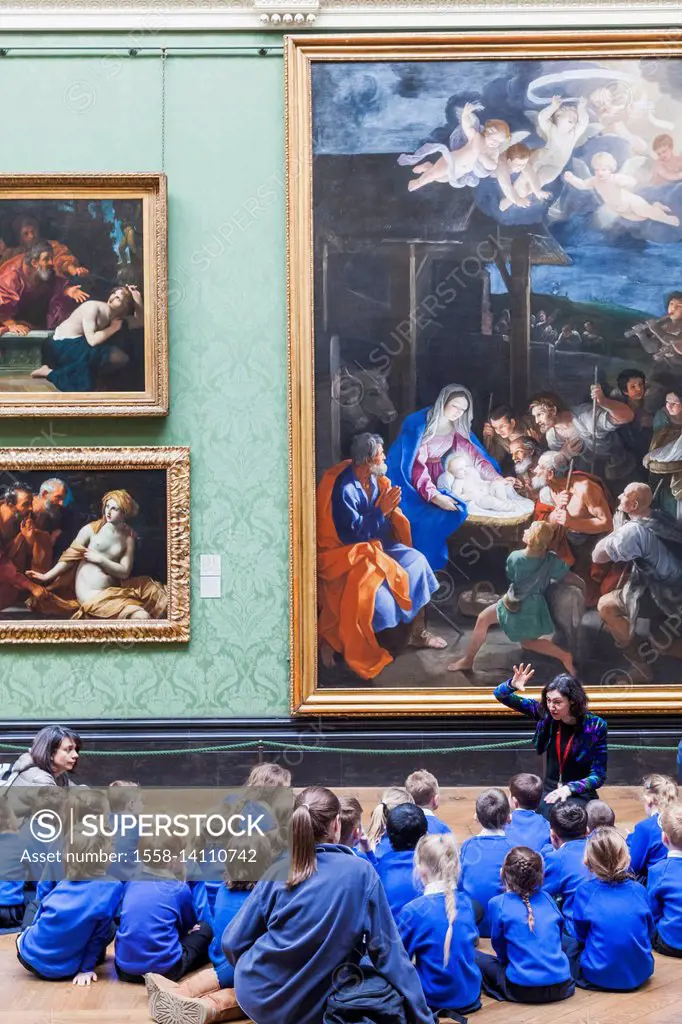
{"points": [[461, 665], [424, 639]]}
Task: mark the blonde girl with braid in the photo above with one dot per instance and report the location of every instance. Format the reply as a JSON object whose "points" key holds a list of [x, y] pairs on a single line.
{"points": [[614, 924], [526, 931], [439, 932]]}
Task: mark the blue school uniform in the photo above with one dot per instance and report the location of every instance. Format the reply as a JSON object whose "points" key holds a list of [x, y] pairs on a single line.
{"points": [[614, 923], [665, 895], [382, 847], [71, 927], [565, 870], [423, 925], [646, 845], [155, 913], [227, 905], [534, 958], [396, 871], [13, 871], [436, 827], [528, 829], [287, 944], [481, 859]]}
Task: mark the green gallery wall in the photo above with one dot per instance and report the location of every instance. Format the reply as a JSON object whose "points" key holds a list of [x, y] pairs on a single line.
{"points": [[94, 108]]}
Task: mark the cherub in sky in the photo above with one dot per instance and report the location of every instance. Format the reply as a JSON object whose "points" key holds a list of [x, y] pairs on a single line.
{"points": [[563, 127], [474, 152], [619, 111], [616, 191]]}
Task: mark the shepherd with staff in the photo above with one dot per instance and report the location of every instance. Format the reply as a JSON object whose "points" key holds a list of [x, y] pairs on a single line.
{"points": [[587, 432]]}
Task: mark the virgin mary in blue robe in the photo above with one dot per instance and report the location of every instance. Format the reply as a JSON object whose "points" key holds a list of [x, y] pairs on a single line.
{"points": [[415, 461]]}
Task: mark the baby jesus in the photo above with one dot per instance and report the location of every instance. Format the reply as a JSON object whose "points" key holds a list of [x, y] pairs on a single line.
{"points": [[462, 480]]}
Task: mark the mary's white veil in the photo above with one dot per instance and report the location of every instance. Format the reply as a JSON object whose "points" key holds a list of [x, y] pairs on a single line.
{"points": [[462, 425]]}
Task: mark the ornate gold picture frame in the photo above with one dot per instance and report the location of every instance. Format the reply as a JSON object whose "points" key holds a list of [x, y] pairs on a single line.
{"points": [[83, 295], [399, 182], [95, 545]]}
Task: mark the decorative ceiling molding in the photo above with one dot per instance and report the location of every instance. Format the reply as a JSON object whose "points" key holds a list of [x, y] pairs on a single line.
{"points": [[337, 15]]}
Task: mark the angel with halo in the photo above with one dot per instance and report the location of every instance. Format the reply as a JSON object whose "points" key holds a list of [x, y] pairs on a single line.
{"points": [[615, 189], [563, 127], [474, 152]]}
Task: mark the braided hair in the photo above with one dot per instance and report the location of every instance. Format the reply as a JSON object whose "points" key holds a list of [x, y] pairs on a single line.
{"points": [[523, 873], [436, 859]]}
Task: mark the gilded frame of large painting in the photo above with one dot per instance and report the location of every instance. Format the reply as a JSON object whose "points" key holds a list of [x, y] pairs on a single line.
{"points": [[105, 230], [150, 488], [303, 55]]}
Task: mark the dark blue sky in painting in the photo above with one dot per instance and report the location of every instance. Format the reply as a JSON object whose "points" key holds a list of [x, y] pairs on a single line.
{"points": [[392, 107]]}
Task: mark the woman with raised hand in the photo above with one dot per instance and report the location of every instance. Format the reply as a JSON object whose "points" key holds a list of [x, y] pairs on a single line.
{"points": [[574, 740]]}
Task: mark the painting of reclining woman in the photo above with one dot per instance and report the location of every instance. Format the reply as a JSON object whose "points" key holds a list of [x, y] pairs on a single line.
{"points": [[83, 547], [82, 293], [492, 339]]}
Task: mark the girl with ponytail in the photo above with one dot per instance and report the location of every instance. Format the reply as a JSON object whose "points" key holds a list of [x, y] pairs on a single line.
{"points": [[392, 797], [301, 934], [613, 922], [526, 929], [439, 930]]}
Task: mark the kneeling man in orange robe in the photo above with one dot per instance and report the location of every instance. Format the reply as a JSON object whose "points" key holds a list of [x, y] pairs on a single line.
{"points": [[370, 578]]}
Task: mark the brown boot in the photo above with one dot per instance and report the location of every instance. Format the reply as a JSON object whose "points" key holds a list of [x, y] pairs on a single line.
{"points": [[155, 985], [198, 984], [173, 1008]]}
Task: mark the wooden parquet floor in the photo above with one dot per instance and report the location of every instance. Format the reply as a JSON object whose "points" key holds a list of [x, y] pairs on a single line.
{"points": [[26, 1000]]}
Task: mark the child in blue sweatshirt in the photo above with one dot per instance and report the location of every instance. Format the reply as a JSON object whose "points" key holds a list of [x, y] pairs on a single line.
{"points": [[645, 842], [74, 923], [392, 797], [565, 866], [526, 927], [405, 826], [292, 935], [612, 918], [665, 886], [352, 833], [213, 988], [13, 871], [482, 856], [159, 931], [527, 827], [439, 931], [424, 789], [126, 803]]}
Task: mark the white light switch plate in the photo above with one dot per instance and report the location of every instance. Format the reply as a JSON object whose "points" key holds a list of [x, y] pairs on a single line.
{"points": [[209, 586]]}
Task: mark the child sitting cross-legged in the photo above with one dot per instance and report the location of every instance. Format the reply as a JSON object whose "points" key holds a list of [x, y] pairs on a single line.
{"points": [[159, 931], [482, 855], [665, 886], [392, 797], [405, 826], [424, 789], [565, 866], [208, 995], [439, 931], [74, 923], [304, 945], [526, 928], [612, 919], [527, 827], [645, 842]]}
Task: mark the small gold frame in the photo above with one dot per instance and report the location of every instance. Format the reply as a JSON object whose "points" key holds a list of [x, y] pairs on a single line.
{"points": [[176, 626]]}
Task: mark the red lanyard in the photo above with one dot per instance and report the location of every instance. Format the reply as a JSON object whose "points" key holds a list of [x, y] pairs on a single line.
{"points": [[562, 758]]}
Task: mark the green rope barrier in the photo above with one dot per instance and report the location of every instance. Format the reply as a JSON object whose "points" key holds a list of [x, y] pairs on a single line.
{"points": [[511, 745]]}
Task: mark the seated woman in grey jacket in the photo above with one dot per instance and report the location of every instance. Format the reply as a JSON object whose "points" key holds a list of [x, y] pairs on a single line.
{"points": [[53, 755]]}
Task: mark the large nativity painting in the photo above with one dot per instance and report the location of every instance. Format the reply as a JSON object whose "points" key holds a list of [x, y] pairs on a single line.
{"points": [[495, 345]]}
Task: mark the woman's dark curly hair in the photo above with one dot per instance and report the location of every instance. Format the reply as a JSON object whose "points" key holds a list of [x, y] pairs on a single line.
{"points": [[569, 687]]}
